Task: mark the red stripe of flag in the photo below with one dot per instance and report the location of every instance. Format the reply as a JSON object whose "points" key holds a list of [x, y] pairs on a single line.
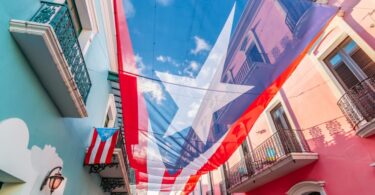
{"points": [[99, 152], [112, 147], [131, 107], [89, 152]]}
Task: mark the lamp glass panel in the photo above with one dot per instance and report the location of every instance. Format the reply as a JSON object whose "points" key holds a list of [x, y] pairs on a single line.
{"points": [[55, 182]]}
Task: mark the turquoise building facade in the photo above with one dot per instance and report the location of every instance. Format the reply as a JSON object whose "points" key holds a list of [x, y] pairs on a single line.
{"points": [[37, 132]]}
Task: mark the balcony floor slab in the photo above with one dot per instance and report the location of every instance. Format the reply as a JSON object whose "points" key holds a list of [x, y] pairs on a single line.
{"points": [[282, 167], [366, 130], [41, 47]]}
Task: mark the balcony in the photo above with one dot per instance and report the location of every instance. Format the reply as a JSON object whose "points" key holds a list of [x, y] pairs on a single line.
{"points": [[50, 43], [246, 69], [114, 82], [296, 15], [358, 106], [115, 176], [279, 155]]}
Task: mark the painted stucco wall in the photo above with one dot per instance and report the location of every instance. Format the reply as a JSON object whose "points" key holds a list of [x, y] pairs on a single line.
{"points": [[360, 14], [310, 99], [344, 158], [24, 97]]}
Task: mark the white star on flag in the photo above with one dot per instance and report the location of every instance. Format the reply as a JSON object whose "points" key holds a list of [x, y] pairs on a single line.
{"points": [[196, 105]]}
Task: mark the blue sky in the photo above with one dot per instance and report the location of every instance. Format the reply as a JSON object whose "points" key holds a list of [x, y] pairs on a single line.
{"points": [[176, 35]]}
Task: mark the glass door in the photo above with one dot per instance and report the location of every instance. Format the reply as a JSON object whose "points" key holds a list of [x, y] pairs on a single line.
{"points": [[288, 139]]}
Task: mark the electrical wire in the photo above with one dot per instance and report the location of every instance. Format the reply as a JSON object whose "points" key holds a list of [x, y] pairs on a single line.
{"points": [[187, 86]]}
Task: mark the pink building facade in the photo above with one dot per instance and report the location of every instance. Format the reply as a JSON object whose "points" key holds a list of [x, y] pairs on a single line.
{"points": [[316, 134]]}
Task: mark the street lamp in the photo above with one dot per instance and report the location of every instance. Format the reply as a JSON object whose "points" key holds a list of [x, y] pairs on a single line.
{"points": [[54, 180]]}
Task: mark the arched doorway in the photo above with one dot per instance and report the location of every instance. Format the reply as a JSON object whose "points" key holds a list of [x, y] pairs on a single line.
{"points": [[307, 188], [312, 193]]}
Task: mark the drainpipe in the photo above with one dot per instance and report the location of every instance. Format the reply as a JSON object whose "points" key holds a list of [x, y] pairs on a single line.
{"points": [[211, 185]]}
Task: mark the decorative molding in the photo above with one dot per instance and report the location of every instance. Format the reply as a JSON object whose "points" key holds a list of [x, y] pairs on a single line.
{"points": [[307, 186], [110, 32]]}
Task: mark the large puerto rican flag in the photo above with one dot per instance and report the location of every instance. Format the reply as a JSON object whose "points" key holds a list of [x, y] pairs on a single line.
{"points": [[186, 116]]}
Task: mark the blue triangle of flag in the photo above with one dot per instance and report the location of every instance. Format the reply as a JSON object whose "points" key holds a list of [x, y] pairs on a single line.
{"points": [[105, 133]]}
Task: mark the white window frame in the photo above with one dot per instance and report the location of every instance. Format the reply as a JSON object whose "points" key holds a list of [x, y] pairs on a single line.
{"points": [[274, 102], [271, 125], [111, 111], [88, 18], [254, 40], [345, 31]]}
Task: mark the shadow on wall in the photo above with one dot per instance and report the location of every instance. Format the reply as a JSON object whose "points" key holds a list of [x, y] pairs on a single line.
{"points": [[356, 15], [344, 159], [329, 133], [29, 166]]}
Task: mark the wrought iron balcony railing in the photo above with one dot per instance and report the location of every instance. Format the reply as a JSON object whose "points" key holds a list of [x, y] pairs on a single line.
{"points": [[245, 70], [58, 16], [358, 103], [121, 144], [273, 149]]}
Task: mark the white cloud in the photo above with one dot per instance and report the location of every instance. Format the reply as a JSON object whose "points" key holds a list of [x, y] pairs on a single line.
{"points": [[146, 85], [138, 69], [164, 2], [162, 58], [191, 68], [167, 59], [139, 61], [193, 110], [200, 45], [194, 65], [151, 87], [129, 9]]}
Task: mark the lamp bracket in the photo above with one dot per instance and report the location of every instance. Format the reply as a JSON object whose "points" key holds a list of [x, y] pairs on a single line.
{"points": [[47, 176]]}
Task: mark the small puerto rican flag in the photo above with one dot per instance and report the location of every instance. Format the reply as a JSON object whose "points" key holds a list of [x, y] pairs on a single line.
{"points": [[102, 146]]}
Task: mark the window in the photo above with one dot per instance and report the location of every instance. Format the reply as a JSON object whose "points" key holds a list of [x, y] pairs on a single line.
{"points": [[280, 119], [350, 64], [288, 139], [228, 77], [74, 15], [245, 148], [109, 120], [294, 11], [106, 122], [110, 115], [253, 54]]}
